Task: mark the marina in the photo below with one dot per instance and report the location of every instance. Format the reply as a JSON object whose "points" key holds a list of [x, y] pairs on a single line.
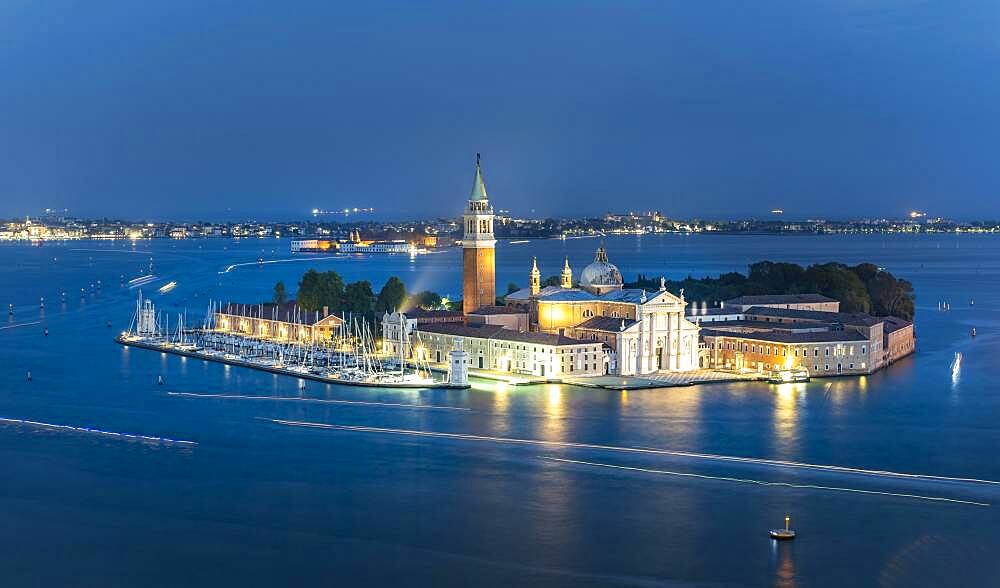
{"points": [[349, 357]]}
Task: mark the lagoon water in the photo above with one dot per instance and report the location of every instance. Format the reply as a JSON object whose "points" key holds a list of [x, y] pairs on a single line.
{"points": [[256, 503]]}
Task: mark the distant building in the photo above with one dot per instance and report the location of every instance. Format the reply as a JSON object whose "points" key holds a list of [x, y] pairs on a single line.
{"points": [[355, 244]]}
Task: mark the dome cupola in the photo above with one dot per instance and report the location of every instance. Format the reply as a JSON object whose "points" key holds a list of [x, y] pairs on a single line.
{"points": [[601, 276]]}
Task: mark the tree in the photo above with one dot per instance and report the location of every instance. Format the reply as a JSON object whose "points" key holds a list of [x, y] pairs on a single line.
{"points": [[862, 288], [280, 296], [391, 296], [426, 299], [358, 297], [552, 281], [309, 294], [317, 290], [512, 287]]}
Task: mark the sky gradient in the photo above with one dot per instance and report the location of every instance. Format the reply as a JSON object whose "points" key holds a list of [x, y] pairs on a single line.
{"points": [[838, 108]]}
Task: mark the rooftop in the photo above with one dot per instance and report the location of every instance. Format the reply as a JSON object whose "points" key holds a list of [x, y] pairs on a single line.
{"points": [[558, 294], [501, 334], [748, 326], [288, 312], [606, 323], [493, 310], [780, 299], [786, 337], [419, 313], [845, 318], [696, 312], [892, 324]]}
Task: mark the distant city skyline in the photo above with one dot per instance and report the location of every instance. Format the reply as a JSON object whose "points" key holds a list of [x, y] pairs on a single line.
{"points": [[188, 110]]}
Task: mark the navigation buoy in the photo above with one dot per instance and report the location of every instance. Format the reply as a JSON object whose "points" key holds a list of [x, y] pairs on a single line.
{"points": [[109, 324], [302, 384], [46, 331], [973, 333], [783, 534], [10, 309], [29, 376], [41, 302], [159, 380]]}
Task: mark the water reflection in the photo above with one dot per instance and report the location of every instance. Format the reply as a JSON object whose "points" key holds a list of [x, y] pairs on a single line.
{"points": [[783, 563], [786, 417], [555, 425]]}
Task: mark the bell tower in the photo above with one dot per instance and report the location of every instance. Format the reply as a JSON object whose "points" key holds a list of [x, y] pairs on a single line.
{"points": [[566, 280], [478, 257], [535, 278]]}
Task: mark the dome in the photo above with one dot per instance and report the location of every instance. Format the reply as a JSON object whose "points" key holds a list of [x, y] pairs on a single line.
{"points": [[601, 274]]}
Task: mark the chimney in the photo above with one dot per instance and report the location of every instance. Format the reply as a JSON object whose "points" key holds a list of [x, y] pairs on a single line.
{"points": [[326, 311]]}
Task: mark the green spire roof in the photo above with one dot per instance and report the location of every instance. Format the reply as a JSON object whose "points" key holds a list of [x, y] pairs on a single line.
{"points": [[478, 185]]}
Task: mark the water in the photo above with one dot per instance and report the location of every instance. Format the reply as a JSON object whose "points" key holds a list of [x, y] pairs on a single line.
{"points": [[258, 503]]}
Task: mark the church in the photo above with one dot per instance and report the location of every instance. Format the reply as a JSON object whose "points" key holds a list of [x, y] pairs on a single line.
{"points": [[591, 327], [643, 332]]}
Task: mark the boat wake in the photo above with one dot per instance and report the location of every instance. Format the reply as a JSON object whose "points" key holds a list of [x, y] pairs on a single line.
{"points": [[231, 267], [14, 326], [637, 450], [763, 482], [90, 431], [316, 400]]}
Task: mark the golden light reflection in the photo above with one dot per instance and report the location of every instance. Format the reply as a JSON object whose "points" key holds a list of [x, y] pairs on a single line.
{"points": [[501, 398], [624, 397], [786, 417], [554, 398], [555, 426]]}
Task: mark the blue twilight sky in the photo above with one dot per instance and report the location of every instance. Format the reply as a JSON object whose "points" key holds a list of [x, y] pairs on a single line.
{"points": [[181, 108]]}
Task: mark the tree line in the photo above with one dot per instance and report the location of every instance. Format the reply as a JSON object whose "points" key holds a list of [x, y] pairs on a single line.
{"points": [[317, 290], [861, 288]]}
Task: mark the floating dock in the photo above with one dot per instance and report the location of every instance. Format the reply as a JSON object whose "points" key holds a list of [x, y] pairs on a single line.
{"points": [[304, 374]]}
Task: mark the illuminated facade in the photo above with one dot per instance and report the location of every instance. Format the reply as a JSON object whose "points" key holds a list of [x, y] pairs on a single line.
{"points": [[277, 322], [642, 332], [825, 343], [478, 249]]}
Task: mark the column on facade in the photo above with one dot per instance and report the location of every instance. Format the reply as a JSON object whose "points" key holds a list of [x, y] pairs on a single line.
{"points": [[678, 317], [668, 356], [651, 353]]}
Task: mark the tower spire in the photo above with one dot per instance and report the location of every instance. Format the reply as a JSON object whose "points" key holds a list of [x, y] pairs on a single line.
{"points": [[567, 275], [535, 278], [478, 185], [478, 261]]}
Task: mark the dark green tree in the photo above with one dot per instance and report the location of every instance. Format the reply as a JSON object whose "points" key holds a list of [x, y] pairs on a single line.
{"points": [[512, 287], [426, 299], [391, 297], [358, 297], [551, 281], [317, 290], [280, 296]]}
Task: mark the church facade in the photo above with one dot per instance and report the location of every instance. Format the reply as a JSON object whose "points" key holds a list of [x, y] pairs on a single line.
{"points": [[642, 332]]}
